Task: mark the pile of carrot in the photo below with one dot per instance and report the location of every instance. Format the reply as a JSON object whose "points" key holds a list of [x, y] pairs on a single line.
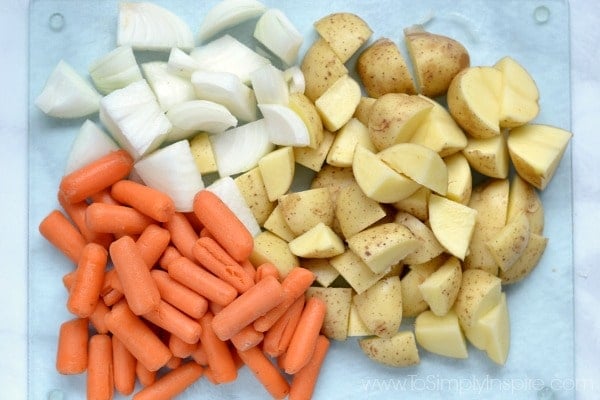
{"points": [[162, 298]]}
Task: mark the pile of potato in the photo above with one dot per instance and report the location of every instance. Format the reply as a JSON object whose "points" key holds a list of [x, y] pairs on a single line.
{"points": [[392, 223]]}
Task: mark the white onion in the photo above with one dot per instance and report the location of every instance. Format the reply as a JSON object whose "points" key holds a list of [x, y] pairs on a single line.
{"points": [[228, 13], [198, 116], [227, 190], [90, 144], [277, 33], [115, 70], [170, 89], [284, 126], [182, 64], [295, 79], [269, 85]]}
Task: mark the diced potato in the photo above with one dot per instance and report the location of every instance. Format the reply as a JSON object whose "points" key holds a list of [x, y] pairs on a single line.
{"points": [[318, 242], [325, 274], [253, 190], [277, 225], [488, 156], [528, 260], [355, 271], [510, 243], [398, 351], [314, 158], [523, 197], [441, 334], [416, 204], [338, 301], [460, 178], [307, 111], [479, 292], [355, 211], [346, 139], [452, 224], [356, 327], [363, 110], [321, 67], [203, 153], [380, 306], [344, 32], [338, 103], [429, 246], [519, 99], [269, 247], [412, 299], [277, 170], [305, 209], [440, 288], [333, 178]]}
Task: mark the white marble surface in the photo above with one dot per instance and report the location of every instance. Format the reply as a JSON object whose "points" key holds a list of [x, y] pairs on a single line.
{"points": [[585, 79]]}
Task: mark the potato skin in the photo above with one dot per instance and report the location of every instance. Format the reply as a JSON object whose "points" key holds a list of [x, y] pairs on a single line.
{"points": [[321, 68]]}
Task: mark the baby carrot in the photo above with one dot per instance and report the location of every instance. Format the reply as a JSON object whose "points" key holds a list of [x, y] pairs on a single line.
{"points": [[199, 355], [205, 233], [104, 196], [139, 288], [249, 268], [305, 380], [152, 243], [100, 381], [112, 297], [139, 339], [97, 317], [124, 364], [98, 175], [144, 375], [305, 336], [170, 254], [174, 362], [266, 269], [182, 233], [194, 221], [85, 291], [245, 309], [72, 350], [174, 321], [179, 348], [149, 201], [278, 337], [246, 338], [120, 220], [76, 211], [178, 295], [218, 355], [68, 280], [267, 373], [223, 225], [201, 281], [172, 383], [57, 229]]}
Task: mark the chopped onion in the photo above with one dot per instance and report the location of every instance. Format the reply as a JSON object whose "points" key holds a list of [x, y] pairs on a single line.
{"points": [[90, 144], [115, 70], [134, 118], [170, 89], [227, 14], [67, 95], [230, 194], [277, 33], [295, 79], [198, 115], [227, 89], [146, 26], [182, 64], [269, 85], [239, 149], [173, 171], [284, 126]]}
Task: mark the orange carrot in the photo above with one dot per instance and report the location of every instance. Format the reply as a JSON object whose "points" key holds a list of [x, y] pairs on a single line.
{"points": [[100, 381], [124, 364], [217, 352], [205, 233], [214, 258], [137, 337], [72, 350], [68, 280], [57, 229], [104, 196], [76, 211], [112, 297], [199, 355], [121, 220], [172, 383], [194, 221], [97, 317], [305, 380], [178, 295], [305, 336], [278, 337], [245, 309], [98, 175], [249, 268], [152, 243], [85, 291], [179, 348], [149, 201], [223, 225], [144, 375], [174, 362], [174, 321], [182, 233], [170, 254], [215, 308], [267, 373], [139, 288], [201, 281], [266, 269], [246, 338]]}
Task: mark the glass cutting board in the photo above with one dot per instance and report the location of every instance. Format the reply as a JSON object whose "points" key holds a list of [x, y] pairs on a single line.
{"points": [[536, 33]]}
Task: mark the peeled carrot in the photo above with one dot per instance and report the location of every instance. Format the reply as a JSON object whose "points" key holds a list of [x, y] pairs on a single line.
{"points": [[68, 280], [249, 268], [266, 269], [100, 380], [245, 309], [178, 295], [72, 349], [76, 211], [121, 220], [179, 348], [104, 196], [305, 336], [223, 225], [170, 254], [205, 233], [199, 355], [172, 383], [139, 288], [85, 291], [182, 233], [97, 317], [152, 243], [98, 175], [305, 380], [174, 321], [246, 338], [267, 373], [217, 352], [139, 339], [57, 229], [112, 297], [154, 203], [144, 375], [174, 362], [194, 221], [124, 364], [278, 337]]}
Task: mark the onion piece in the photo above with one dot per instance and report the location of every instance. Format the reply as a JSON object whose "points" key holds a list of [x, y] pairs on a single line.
{"points": [[170, 89], [227, 190], [147, 26], [227, 89], [198, 115], [172, 170], [67, 95], [284, 126], [227, 14], [239, 149], [90, 144], [269, 85], [134, 118], [115, 70], [295, 79], [277, 33], [182, 64]]}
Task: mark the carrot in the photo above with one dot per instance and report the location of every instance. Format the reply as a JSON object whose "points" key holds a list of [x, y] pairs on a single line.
{"points": [[68, 280], [246, 338], [120, 220], [205, 233], [255, 302], [214, 258], [139, 288], [76, 211], [124, 364], [178, 295], [249, 268], [201, 281], [305, 380], [72, 349], [223, 225], [152, 243], [267, 373], [57, 229], [97, 317], [217, 352], [144, 375], [104, 196], [174, 321], [154, 203], [194, 221], [278, 337], [172, 383], [182, 233], [294, 285], [199, 355], [85, 291], [100, 381], [266, 269], [139, 339], [170, 254], [112, 297], [305, 336], [98, 175], [174, 362], [179, 348]]}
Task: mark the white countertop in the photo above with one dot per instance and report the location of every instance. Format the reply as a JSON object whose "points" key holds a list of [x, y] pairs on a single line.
{"points": [[585, 88]]}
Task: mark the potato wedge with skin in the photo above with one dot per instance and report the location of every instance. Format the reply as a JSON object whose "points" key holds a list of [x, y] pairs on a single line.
{"points": [[429, 247], [321, 67], [204, 157], [528, 260], [488, 156], [510, 243], [523, 197], [355, 271], [416, 204], [412, 300], [452, 224], [308, 113], [440, 288], [314, 158], [363, 109], [318, 242], [338, 302], [337, 104], [460, 178], [277, 170], [398, 351], [383, 69], [344, 32], [355, 211], [305, 209], [380, 307], [346, 139], [479, 292], [356, 326], [325, 274], [520, 95], [334, 179], [269, 247], [441, 334], [276, 224], [253, 189]]}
